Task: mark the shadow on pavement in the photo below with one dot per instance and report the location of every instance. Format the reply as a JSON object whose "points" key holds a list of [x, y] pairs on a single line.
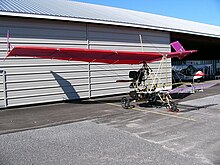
{"points": [[188, 108]]}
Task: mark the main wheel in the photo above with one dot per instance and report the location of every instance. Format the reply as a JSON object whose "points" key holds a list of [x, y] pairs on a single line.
{"points": [[173, 107], [134, 95], [125, 103], [152, 98]]}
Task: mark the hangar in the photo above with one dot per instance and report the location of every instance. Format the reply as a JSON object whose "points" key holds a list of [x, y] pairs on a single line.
{"points": [[62, 23]]}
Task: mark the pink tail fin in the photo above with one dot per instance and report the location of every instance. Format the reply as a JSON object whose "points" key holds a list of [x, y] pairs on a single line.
{"points": [[177, 46]]}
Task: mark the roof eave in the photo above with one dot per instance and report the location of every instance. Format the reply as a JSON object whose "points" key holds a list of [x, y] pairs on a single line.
{"points": [[105, 22]]}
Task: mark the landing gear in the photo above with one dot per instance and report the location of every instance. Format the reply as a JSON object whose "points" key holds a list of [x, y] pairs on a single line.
{"points": [[172, 107], [152, 98], [168, 103], [125, 103]]}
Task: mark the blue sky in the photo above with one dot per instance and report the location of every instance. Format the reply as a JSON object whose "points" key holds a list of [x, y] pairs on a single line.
{"points": [[204, 11]]}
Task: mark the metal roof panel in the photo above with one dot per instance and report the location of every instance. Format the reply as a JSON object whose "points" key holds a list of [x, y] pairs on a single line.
{"points": [[68, 10]]}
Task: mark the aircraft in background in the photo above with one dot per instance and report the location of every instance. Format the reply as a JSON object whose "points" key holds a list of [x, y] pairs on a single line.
{"points": [[188, 74]]}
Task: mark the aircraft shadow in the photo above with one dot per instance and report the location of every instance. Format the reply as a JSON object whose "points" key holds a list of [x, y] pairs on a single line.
{"points": [[66, 86], [97, 100], [150, 105], [180, 95], [187, 108], [92, 101]]}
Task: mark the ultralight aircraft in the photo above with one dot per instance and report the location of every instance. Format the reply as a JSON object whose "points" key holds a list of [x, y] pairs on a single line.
{"points": [[145, 85]]}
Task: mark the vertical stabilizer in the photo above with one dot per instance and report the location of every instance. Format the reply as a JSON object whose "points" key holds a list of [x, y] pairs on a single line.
{"points": [[177, 46]]}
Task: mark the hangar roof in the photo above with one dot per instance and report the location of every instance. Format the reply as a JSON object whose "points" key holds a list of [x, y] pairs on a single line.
{"points": [[84, 12]]}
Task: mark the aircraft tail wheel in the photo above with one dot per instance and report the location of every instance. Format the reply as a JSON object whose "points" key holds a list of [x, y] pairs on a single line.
{"points": [[125, 103]]}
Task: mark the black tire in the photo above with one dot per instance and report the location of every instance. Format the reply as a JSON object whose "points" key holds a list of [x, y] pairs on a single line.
{"points": [[152, 98], [173, 107], [125, 103], [134, 95]]}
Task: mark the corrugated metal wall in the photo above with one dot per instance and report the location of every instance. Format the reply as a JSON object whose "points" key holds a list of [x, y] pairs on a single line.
{"points": [[26, 81]]}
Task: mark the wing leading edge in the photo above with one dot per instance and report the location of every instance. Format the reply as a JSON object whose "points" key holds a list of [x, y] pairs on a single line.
{"points": [[94, 55]]}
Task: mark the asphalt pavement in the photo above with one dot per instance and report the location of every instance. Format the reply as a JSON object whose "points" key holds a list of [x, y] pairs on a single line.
{"points": [[99, 131]]}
